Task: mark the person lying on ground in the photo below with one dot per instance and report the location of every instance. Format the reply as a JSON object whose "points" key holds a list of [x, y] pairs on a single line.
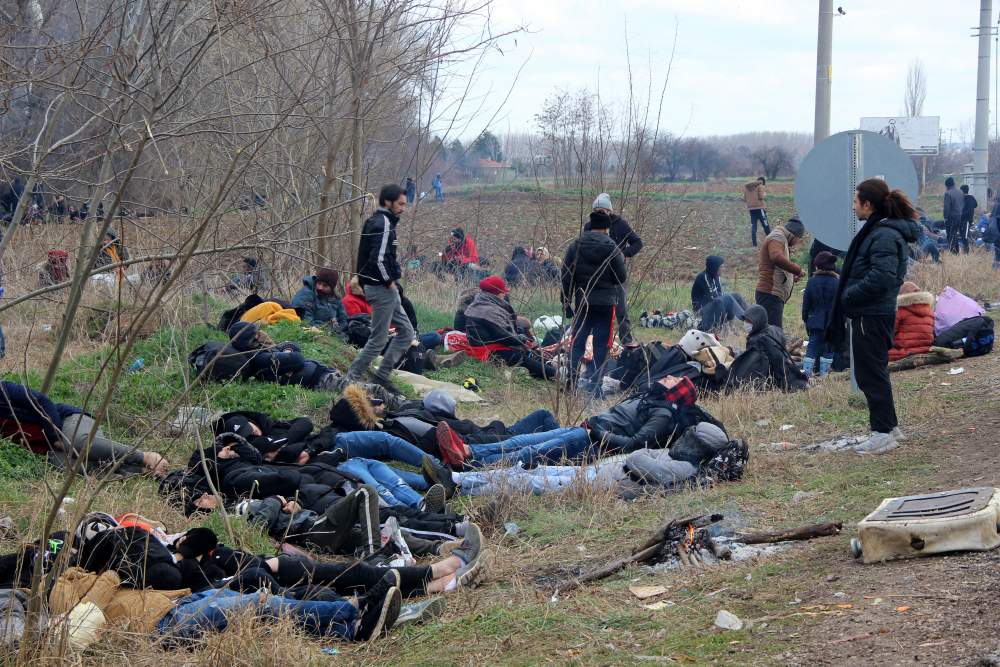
{"points": [[239, 472], [491, 325], [703, 451], [319, 301], [715, 307], [650, 420], [180, 617], [431, 340], [251, 278], [914, 331], [251, 354], [416, 421], [62, 432]]}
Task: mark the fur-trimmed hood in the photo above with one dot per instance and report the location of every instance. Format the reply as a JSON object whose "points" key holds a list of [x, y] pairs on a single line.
{"points": [[354, 412], [914, 298], [821, 272]]}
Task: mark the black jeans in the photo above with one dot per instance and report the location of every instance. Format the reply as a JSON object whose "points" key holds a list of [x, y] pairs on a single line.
{"points": [[871, 340], [597, 321], [954, 227], [758, 215], [774, 306], [348, 578], [515, 358]]}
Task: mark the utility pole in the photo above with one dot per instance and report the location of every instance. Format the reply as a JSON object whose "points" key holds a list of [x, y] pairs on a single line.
{"points": [[980, 150], [824, 71]]}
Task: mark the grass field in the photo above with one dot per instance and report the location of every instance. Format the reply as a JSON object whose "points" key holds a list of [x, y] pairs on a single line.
{"points": [[512, 621]]}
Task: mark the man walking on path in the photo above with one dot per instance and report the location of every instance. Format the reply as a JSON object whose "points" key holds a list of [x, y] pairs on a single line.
{"points": [[630, 244], [437, 188], [754, 197], [873, 272], [954, 202], [378, 271], [778, 274]]}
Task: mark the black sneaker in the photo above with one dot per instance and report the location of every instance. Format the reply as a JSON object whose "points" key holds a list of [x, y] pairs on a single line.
{"points": [[376, 622], [437, 473], [387, 384], [434, 499], [376, 593]]}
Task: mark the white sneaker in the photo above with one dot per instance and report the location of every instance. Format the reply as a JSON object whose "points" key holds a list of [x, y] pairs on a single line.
{"points": [[878, 443], [897, 434]]}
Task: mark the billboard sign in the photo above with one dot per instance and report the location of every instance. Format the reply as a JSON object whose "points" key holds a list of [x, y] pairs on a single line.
{"points": [[916, 135]]}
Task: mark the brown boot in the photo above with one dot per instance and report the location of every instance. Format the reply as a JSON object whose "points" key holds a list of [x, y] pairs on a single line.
{"points": [[449, 361]]}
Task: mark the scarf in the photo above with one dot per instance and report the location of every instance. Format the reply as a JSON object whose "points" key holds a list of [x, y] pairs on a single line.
{"points": [[493, 309], [836, 333]]}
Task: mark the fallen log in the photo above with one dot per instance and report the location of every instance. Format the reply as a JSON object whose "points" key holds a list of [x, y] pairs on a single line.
{"points": [[937, 355], [803, 533]]}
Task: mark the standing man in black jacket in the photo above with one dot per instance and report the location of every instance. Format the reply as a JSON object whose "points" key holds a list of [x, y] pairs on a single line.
{"points": [[630, 244], [954, 203], [378, 272], [592, 274], [969, 206]]}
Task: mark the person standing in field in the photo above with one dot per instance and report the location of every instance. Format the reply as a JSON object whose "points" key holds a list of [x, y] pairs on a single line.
{"points": [[438, 196], [754, 197], [873, 272], [969, 206], [778, 274], [630, 244], [954, 202], [378, 271]]}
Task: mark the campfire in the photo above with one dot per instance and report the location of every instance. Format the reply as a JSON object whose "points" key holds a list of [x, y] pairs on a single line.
{"points": [[689, 544]]}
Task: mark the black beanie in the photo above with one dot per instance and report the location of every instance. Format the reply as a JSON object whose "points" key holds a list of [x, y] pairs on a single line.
{"points": [[343, 417], [600, 220], [198, 542]]}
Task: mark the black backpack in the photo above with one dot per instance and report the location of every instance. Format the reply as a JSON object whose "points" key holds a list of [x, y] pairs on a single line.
{"points": [[413, 360], [974, 335], [358, 330], [728, 465]]}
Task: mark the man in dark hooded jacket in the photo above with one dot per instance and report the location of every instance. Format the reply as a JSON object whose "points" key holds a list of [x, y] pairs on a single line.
{"points": [[766, 358], [319, 301], [715, 307], [630, 244], [592, 273], [519, 269]]}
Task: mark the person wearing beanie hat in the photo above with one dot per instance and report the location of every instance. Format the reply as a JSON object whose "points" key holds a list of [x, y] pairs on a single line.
{"points": [[493, 285], [196, 543], [459, 252], [715, 307], [593, 273], [778, 274], [630, 244], [817, 303], [438, 196], [754, 196], [318, 299]]}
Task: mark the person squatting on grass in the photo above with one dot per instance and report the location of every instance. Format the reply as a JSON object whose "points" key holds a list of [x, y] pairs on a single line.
{"points": [[378, 270], [61, 432], [873, 272], [593, 272], [715, 307]]}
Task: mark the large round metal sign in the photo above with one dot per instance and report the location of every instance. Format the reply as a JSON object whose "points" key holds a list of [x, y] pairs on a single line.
{"points": [[825, 184]]}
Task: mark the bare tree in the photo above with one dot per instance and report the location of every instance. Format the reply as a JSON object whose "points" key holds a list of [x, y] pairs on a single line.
{"points": [[916, 89], [773, 159]]}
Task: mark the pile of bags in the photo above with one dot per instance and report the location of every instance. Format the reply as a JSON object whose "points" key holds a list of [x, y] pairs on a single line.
{"points": [[683, 319]]}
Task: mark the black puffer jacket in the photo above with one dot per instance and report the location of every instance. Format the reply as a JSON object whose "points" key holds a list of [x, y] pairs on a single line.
{"points": [[519, 268], [623, 235], [644, 421], [872, 281], [592, 271]]}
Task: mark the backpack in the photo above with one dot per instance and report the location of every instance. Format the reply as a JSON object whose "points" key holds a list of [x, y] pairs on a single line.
{"points": [[974, 335], [358, 330], [228, 364], [413, 360], [728, 465]]}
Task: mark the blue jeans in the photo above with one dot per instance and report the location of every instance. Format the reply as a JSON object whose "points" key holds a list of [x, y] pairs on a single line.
{"points": [[210, 610], [931, 248], [537, 421], [719, 311], [379, 445], [535, 449], [815, 348], [391, 488], [544, 479], [438, 196], [430, 340]]}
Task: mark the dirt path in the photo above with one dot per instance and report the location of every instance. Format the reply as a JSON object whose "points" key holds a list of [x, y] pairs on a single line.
{"points": [[951, 600]]}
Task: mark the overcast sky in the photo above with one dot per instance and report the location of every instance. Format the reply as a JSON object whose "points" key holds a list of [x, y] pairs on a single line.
{"points": [[739, 65]]}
